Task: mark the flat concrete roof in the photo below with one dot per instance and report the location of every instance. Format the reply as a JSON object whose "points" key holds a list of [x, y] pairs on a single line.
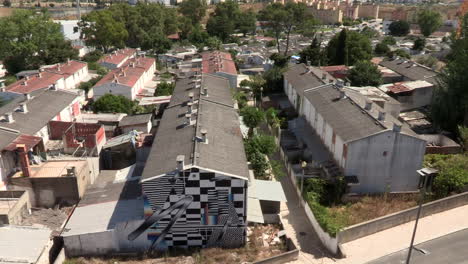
{"points": [[267, 191], [6, 204], [54, 168], [20, 244]]}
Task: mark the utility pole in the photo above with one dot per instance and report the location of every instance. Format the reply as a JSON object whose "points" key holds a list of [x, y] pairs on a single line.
{"points": [[424, 173]]}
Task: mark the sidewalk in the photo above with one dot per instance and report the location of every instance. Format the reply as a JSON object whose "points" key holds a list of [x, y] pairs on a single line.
{"points": [[397, 238]]}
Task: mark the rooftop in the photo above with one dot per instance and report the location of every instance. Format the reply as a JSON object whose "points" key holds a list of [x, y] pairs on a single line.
{"points": [[34, 82], [40, 110], [402, 87], [118, 56], [100, 117], [135, 120], [114, 197], [302, 77], [217, 61], [224, 151], [20, 244], [54, 169], [411, 70], [129, 73]]}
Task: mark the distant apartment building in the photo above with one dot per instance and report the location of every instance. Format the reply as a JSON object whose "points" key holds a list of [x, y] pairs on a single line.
{"points": [[220, 63], [117, 58], [369, 146], [128, 79]]}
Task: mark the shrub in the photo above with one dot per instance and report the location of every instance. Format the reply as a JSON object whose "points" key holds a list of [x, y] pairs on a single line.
{"points": [[332, 223], [93, 56], [164, 88], [259, 164], [264, 144], [453, 173]]}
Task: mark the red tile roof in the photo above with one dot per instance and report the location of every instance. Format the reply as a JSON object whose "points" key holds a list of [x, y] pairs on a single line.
{"points": [[34, 82], [129, 73], [217, 61], [67, 68], [118, 56], [174, 36], [29, 141], [398, 88]]}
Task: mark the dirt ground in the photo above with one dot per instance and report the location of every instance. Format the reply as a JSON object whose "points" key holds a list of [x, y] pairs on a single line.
{"points": [[262, 243], [369, 207], [51, 218]]}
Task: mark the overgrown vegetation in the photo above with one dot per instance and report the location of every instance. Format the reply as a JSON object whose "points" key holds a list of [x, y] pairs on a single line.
{"points": [[164, 88], [110, 103], [453, 173]]}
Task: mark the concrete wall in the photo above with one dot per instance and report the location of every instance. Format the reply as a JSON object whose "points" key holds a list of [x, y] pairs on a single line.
{"points": [[21, 207], [389, 221], [331, 243], [418, 98], [327, 16], [386, 161], [113, 88], [94, 244], [48, 191]]}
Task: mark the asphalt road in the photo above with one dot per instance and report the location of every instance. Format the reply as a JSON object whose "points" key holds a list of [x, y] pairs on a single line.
{"points": [[448, 249]]}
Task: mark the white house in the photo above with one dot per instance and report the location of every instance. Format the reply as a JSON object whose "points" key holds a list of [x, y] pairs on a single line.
{"points": [[365, 142], [127, 80]]}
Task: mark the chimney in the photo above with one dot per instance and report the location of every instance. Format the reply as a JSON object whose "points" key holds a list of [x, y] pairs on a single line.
{"points": [[189, 106], [190, 97], [53, 87], [205, 90], [188, 118], [2, 88], [58, 67], [342, 95], [203, 133], [27, 96], [24, 83], [324, 76], [381, 116], [396, 127], [24, 160], [39, 75], [26, 77], [23, 108], [9, 117], [180, 162], [68, 61], [368, 106]]}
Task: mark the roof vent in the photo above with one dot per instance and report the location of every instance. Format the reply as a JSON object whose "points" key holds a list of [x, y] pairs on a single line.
{"points": [[189, 107], [204, 137], [180, 162], [24, 83], [324, 76], [9, 117], [190, 97], [381, 116], [368, 106], [188, 118], [23, 108], [53, 87], [342, 95], [205, 90], [396, 127]]}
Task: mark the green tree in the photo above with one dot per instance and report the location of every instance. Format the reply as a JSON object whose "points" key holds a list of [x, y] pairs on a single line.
{"points": [[101, 30], [274, 79], [264, 144], [283, 19], [348, 47], [365, 73], [228, 18], [429, 21], [313, 54], [256, 84], [31, 39], [194, 10], [259, 164], [399, 28], [381, 49], [388, 40], [453, 173], [252, 118], [419, 44], [110, 103], [7, 3], [246, 22], [369, 32], [400, 53], [449, 107], [164, 88]]}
